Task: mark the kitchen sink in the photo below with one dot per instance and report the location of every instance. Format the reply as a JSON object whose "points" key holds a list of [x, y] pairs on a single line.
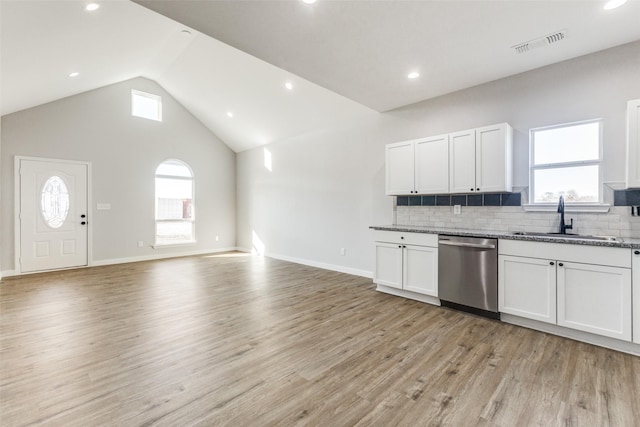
{"points": [[569, 236]]}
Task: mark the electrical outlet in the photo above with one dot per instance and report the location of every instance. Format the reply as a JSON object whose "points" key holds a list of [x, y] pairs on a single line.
{"points": [[343, 251], [140, 243], [456, 209]]}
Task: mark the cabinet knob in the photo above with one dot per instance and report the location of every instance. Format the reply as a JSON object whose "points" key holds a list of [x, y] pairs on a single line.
{"points": [[400, 246], [471, 189], [560, 264], [477, 189], [636, 252], [402, 237], [551, 263]]}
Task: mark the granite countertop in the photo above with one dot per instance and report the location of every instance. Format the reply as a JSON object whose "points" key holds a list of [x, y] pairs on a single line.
{"points": [[617, 243]]}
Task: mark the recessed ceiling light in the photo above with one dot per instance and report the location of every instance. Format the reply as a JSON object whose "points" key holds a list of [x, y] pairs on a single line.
{"points": [[309, 1], [612, 4], [413, 75], [91, 7], [289, 85], [229, 114], [74, 74]]}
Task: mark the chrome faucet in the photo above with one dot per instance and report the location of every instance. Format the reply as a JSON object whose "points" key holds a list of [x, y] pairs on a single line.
{"points": [[563, 226]]}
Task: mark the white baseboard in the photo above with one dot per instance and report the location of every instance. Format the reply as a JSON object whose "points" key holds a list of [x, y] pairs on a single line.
{"points": [[332, 267], [8, 273], [408, 294], [159, 256], [152, 257], [612, 343]]}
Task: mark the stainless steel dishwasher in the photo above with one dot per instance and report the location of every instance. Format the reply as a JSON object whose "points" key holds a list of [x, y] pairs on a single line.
{"points": [[468, 274]]}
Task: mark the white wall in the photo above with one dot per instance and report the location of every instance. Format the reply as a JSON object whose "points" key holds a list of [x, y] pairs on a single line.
{"points": [[124, 151], [326, 188]]}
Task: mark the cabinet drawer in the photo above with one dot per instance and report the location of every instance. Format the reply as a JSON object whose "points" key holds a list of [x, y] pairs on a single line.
{"points": [[600, 255], [406, 238]]}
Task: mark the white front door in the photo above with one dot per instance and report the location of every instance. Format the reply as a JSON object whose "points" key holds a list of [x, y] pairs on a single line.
{"points": [[53, 215]]}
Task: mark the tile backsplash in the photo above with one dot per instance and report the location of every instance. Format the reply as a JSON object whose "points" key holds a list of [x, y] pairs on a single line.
{"points": [[617, 222], [487, 199], [503, 212]]}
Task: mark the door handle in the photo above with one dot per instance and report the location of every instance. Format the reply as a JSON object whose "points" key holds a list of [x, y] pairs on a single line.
{"points": [[466, 245]]}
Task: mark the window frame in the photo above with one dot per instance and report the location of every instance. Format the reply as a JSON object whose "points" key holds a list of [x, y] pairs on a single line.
{"points": [[157, 98], [191, 220], [564, 165]]}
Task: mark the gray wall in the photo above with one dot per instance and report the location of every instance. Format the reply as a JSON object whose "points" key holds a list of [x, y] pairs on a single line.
{"points": [[124, 151], [326, 188]]}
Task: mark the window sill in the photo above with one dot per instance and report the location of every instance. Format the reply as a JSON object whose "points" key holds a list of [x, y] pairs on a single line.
{"points": [[173, 245], [583, 207]]}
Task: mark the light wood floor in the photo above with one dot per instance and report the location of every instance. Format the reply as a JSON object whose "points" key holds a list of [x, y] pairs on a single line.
{"points": [[248, 341]]}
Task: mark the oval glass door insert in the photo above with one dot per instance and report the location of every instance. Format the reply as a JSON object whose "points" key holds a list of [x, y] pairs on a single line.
{"points": [[55, 202]]}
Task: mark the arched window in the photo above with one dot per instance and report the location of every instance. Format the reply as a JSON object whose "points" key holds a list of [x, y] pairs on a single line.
{"points": [[174, 203]]}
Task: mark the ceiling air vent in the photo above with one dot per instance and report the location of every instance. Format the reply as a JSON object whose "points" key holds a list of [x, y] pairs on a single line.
{"points": [[540, 41]]}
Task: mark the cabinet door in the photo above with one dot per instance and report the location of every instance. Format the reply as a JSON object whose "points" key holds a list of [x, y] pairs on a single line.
{"points": [[432, 165], [635, 281], [494, 158], [462, 162], [399, 168], [388, 265], [421, 270], [527, 287], [595, 298], [633, 144]]}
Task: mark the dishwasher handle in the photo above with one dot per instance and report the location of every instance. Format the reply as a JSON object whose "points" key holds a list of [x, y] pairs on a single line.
{"points": [[466, 245]]}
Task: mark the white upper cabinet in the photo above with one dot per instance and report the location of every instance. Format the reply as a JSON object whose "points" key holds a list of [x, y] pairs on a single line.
{"points": [[633, 144], [399, 168], [418, 167], [494, 158], [471, 161], [480, 160], [432, 165], [462, 161]]}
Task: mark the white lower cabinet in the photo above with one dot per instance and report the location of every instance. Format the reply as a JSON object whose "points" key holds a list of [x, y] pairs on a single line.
{"points": [[635, 281], [567, 285], [407, 262], [420, 272], [595, 298], [527, 287], [388, 264]]}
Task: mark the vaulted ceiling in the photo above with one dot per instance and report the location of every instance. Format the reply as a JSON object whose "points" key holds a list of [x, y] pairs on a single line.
{"points": [[345, 60]]}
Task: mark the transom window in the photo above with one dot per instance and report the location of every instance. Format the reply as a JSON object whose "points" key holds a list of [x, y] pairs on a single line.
{"points": [[146, 105], [174, 203], [565, 160]]}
